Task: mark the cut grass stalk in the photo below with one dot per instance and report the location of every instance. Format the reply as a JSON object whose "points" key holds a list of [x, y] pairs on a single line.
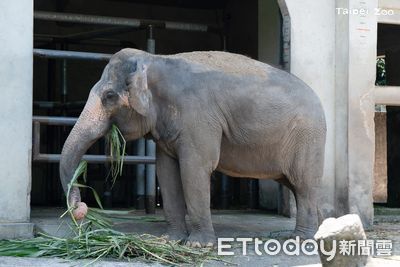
{"points": [[106, 243], [117, 145], [94, 237]]}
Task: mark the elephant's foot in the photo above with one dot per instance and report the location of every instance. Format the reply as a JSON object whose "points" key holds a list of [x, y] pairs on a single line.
{"points": [[303, 232], [200, 239], [176, 235]]}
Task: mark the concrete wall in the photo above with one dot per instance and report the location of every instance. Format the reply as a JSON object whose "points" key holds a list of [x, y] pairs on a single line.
{"points": [[312, 50], [330, 52], [16, 35], [355, 79]]}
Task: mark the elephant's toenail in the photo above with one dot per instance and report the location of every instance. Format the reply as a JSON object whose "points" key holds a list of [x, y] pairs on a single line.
{"points": [[196, 245]]}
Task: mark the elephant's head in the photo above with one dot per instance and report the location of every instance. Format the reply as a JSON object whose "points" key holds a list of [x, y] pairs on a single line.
{"points": [[120, 97]]}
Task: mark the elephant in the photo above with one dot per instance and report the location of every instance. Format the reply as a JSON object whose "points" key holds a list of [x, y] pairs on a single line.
{"points": [[207, 111]]}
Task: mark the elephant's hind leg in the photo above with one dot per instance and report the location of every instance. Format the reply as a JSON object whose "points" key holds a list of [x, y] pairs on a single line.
{"points": [[304, 173]]}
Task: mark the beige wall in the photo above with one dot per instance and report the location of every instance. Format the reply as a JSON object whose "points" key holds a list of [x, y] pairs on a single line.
{"points": [[312, 58], [16, 33], [335, 54]]}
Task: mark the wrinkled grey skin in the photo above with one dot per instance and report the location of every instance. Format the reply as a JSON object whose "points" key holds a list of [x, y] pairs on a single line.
{"points": [[207, 111]]}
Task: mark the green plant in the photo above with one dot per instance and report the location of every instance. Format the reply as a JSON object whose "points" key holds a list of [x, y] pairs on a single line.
{"points": [[106, 243], [117, 145], [94, 237], [380, 72]]}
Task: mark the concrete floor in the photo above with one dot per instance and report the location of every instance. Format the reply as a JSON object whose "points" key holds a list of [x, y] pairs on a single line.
{"points": [[227, 224]]}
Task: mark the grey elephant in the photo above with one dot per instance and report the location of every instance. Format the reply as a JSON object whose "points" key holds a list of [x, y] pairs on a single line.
{"points": [[207, 111]]}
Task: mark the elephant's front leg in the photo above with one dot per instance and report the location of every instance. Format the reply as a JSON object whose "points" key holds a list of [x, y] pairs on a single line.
{"points": [[173, 201], [196, 166]]}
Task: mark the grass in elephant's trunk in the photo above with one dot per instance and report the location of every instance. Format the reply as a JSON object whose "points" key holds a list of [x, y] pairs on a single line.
{"points": [[94, 237]]}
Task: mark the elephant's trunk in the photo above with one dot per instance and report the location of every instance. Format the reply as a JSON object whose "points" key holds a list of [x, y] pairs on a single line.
{"points": [[91, 125]]}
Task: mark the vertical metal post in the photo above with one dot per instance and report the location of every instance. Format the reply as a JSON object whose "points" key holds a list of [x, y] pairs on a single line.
{"points": [[223, 39], [225, 192], [50, 169], [64, 88], [150, 148], [140, 175], [64, 83], [253, 193], [36, 138], [151, 43], [60, 133], [286, 41], [107, 195]]}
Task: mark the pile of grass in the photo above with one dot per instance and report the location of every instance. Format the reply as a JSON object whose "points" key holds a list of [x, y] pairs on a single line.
{"points": [[106, 243], [94, 237]]}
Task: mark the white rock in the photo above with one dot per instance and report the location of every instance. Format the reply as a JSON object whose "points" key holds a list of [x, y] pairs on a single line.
{"points": [[347, 228]]}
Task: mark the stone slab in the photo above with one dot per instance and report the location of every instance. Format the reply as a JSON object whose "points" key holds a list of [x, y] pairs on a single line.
{"points": [[16, 230]]}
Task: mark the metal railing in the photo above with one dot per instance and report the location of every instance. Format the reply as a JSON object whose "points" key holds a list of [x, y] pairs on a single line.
{"points": [[67, 121], [145, 174], [119, 21], [62, 54], [146, 177]]}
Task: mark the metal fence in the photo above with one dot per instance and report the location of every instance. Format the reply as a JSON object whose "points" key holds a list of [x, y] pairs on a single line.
{"points": [[65, 121], [146, 177]]}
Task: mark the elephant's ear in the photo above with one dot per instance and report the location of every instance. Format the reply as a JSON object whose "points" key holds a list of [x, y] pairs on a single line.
{"points": [[139, 95]]}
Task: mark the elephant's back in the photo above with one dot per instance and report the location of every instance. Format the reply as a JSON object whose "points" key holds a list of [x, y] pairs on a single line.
{"points": [[229, 63], [249, 83]]}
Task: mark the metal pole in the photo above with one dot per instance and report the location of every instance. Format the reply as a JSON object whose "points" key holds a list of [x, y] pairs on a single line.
{"points": [[140, 175], [36, 138], [224, 43], [150, 148], [64, 121], [86, 19], [59, 54], [253, 193], [96, 159], [151, 43], [118, 21], [64, 88], [225, 192]]}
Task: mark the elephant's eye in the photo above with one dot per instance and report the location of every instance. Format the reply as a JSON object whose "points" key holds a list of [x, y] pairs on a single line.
{"points": [[110, 96]]}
